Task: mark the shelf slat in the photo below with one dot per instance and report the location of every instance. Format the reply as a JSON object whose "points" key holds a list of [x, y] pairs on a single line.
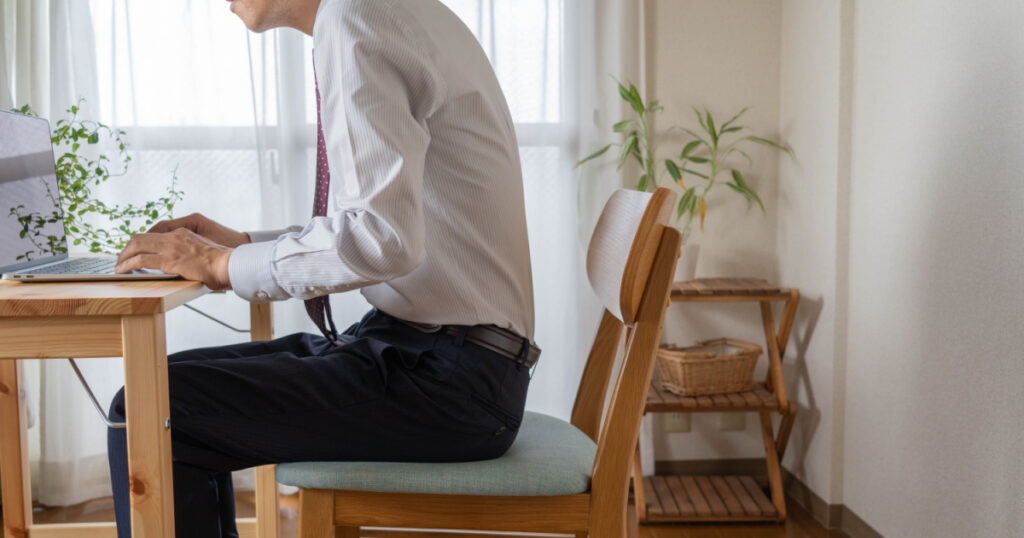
{"points": [[681, 497], [749, 506], [663, 401], [706, 498], [700, 504], [762, 500]]}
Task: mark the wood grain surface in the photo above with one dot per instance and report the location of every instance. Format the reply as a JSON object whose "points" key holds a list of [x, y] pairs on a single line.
{"points": [[95, 298]]}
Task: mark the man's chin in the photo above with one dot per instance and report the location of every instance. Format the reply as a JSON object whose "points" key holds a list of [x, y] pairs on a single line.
{"points": [[254, 26], [246, 17]]}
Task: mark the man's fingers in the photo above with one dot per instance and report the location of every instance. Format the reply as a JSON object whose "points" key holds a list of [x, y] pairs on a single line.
{"points": [[190, 221], [162, 226], [147, 261], [141, 243], [168, 225]]}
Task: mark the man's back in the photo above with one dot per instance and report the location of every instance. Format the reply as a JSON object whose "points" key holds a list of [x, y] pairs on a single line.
{"points": [[426, 187], [472, 190]]}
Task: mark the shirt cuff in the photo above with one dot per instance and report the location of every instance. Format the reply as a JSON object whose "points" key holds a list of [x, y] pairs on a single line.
{"points": [[250, 270], [261, 236]]}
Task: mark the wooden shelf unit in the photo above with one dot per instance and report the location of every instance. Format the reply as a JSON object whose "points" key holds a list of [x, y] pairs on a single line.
{"points": [[727, 498]]}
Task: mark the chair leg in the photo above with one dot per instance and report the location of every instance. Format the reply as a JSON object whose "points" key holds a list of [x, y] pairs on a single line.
{"points": [[346, 532], [316, 513]]}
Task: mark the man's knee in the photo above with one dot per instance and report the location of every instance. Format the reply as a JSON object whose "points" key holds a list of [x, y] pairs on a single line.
{"points": [[116, 411]]}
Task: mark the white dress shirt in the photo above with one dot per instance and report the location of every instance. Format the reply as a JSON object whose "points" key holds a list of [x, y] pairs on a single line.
{"points": [[425, 213]]}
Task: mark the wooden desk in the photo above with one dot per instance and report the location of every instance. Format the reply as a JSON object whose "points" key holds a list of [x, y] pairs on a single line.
{"points": [[106, 319]]}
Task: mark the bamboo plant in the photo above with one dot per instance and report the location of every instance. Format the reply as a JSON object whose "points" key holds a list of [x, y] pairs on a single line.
{"points": [[704, 155]]}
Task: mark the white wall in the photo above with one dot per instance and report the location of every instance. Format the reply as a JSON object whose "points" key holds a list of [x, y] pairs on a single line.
{"points": [[934, 420], [901, 222], [808, 229], [725, 56]]}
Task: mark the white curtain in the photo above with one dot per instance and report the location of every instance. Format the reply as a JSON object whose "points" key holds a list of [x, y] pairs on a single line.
{"points": [[48, 60], [612, 43], [233, 114]]}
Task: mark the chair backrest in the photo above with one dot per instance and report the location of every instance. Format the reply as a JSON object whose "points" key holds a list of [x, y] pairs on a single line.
{"points": [[630, 264], [623, 246], [619, 261]]}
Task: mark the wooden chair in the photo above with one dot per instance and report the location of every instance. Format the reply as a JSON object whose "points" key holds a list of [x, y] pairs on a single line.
{"points": [[630, 264]]}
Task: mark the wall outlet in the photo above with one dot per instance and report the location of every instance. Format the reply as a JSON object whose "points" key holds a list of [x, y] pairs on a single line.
{"points": [[675, 422], [732, 421]]}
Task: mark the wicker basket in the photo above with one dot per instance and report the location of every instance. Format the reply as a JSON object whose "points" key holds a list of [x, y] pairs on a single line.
{"points": [[710, 367]]}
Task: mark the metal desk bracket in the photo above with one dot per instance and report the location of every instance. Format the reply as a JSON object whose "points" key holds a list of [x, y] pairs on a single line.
{"points": [[92, 397], [96, 404]]}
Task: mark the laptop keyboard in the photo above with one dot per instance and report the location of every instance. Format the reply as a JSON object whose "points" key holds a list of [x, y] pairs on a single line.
{"points": [[77, 266]]}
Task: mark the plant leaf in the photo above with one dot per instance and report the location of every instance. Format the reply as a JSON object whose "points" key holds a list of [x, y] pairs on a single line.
{"points": [[673, 170], [689, 148], [734, 118], [745, 189], [700, 118], [750, 162], [695, 159], [623, 92], [685, 202], [703, 210], [622, 126], [635, 100], [769, 143], [642, 184], [698, 174], [627, 149], [711, 127], [594, 155], [697, 136]]}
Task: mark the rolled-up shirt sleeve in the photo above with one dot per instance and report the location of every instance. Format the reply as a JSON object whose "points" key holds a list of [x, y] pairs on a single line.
{"points": [[378, 87]]}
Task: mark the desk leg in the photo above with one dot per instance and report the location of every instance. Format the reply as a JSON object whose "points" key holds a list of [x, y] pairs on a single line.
{"points": [[14, 469], [149, 440], [261, 325]]}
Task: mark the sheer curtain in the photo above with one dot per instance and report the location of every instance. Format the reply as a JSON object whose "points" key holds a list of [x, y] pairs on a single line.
{"points": [[611, 38], [231, 115]]}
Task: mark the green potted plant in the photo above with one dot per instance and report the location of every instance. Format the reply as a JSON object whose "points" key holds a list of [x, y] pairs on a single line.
{"points": [[81, 167], [704, 156]]}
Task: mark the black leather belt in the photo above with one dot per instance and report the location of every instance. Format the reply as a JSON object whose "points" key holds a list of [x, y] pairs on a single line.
{"points": [[501, 341]]}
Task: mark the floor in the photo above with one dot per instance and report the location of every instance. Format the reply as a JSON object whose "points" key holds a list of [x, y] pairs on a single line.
{"points": [[798, 525]]}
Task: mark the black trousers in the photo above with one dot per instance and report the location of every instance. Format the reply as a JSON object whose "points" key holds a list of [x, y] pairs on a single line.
{"points": [[391, 392]]}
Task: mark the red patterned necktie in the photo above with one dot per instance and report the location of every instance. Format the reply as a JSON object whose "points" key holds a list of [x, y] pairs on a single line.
{"points": [[319, 308]]}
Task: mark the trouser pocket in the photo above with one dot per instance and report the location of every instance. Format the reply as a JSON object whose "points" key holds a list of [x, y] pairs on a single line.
{"points": [[511, 421]]}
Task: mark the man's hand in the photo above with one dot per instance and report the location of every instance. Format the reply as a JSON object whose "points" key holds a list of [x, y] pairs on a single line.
{"points": [[218, 233], [180, 251]]}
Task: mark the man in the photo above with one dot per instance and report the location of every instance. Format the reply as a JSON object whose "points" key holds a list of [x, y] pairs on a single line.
{"points": [[419, 204]]}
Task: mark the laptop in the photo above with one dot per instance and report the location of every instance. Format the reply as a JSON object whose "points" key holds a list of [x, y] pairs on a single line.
{"points": [[33, 242]]}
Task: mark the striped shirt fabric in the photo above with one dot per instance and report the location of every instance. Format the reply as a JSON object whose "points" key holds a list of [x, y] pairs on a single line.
{"points": [[425, 213]]}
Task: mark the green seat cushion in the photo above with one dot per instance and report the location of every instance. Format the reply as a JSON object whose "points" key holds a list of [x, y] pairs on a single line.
{"points": [[548, 457]]}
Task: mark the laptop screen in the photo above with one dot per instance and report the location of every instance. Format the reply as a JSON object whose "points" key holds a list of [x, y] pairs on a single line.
{"points": [[31, 222]]}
